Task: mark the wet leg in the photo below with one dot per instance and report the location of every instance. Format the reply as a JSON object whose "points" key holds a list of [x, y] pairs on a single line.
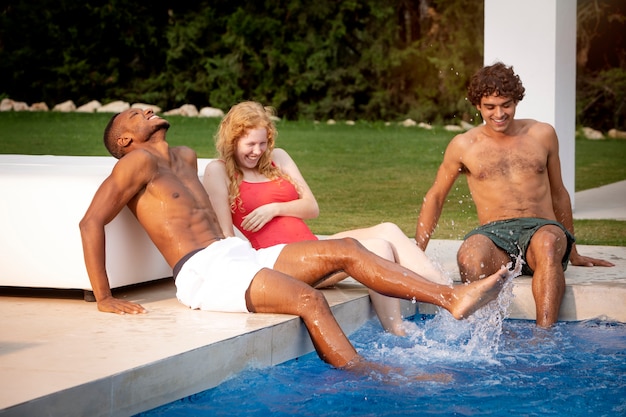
{"points": [[312, 261], [478, 257], [544, 255], [387, 308], [274, 292]]}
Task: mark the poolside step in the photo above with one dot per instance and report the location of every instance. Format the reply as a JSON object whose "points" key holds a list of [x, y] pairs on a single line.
{"points": [[589, 293]]}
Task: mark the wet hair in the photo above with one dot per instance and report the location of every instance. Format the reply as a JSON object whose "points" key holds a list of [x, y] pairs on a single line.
{"points": [[111, 133], [239, 120], [498, 80]]}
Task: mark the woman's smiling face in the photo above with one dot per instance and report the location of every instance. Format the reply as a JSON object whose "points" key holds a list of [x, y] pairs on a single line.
{"points": [[251, 147]]}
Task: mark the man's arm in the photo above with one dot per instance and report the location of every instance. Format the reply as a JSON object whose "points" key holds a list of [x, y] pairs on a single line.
{"points": [[561, 202], [432, 206], [110, 198]]}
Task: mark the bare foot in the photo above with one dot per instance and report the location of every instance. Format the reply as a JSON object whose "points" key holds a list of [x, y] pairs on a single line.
{"points": [[467, 298], [390, 374], [361, 366], [443, 378]]}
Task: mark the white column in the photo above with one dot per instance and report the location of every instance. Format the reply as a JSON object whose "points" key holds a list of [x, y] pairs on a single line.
{"points": [[538, 38]]}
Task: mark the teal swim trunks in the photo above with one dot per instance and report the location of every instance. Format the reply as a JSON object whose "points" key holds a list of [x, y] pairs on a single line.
{"points": [[513, 236]]}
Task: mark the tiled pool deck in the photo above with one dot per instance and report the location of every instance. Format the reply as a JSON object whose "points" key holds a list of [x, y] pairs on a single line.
{"points": [[59, 356]]}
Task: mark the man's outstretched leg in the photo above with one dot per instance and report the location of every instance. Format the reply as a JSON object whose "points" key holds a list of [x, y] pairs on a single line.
{"points": [[274, 292], [313, 261]]}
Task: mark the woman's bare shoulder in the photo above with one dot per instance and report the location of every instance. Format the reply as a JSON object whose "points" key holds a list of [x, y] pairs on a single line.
{"points": [[279, 154], [216, 166], [281, 158]]}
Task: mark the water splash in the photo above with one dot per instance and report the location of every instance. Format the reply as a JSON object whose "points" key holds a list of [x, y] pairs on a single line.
{"points": [[446, 339]]}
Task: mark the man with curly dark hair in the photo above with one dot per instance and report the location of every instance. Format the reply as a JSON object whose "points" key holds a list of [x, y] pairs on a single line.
{"points": [[513, 172]]}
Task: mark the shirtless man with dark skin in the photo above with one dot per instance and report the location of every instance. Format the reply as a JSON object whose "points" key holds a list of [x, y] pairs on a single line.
{"points": [[513, 172], [161, 187]]}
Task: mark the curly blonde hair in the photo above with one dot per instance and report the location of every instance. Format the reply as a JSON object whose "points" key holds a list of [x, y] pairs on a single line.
{"points": [[239, 120]]}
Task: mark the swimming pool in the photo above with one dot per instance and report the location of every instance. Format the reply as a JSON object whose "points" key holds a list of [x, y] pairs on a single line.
{"points": [[498, 367]]}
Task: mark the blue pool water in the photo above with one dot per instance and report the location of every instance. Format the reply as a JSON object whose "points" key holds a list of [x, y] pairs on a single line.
{"points": [[498, 367]]}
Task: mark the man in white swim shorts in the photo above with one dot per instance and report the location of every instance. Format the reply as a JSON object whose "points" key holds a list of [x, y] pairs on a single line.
{"points": [[231, 257], [160, 185]]}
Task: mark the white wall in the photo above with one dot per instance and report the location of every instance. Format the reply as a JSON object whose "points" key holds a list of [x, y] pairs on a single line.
{"points": [[538, 38]]}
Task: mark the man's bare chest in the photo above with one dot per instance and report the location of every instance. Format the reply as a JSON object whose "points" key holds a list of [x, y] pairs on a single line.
{"points": [[166, 192], [501, 163]]}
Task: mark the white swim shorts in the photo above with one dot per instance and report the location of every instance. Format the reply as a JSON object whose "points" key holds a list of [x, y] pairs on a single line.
{"points": [[217, 277]]}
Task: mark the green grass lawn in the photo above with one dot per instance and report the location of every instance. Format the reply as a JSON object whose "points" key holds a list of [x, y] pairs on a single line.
{"points": [[361, 175]]}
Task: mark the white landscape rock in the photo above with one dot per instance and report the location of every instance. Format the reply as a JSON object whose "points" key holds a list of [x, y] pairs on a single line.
{"points": [[20, 106], [185, 110], [117, 106], [65, 107], [592, 134], [41, 106], [189, 110], [211, 112], [90, 107], [6, 104], [465, 125], [617, 134], [453, 128], [144, 106], [172, 112]]}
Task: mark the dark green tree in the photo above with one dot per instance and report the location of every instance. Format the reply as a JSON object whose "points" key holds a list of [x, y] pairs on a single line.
{"points": [[601, 64], [58, 50], [311, 59]]}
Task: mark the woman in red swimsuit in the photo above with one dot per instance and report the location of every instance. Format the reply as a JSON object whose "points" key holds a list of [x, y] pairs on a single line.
{"points": [[259, 189]]}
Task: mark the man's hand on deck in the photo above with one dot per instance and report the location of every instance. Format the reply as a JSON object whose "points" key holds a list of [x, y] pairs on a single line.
{"points": [[114, 305], [578, 260]]}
